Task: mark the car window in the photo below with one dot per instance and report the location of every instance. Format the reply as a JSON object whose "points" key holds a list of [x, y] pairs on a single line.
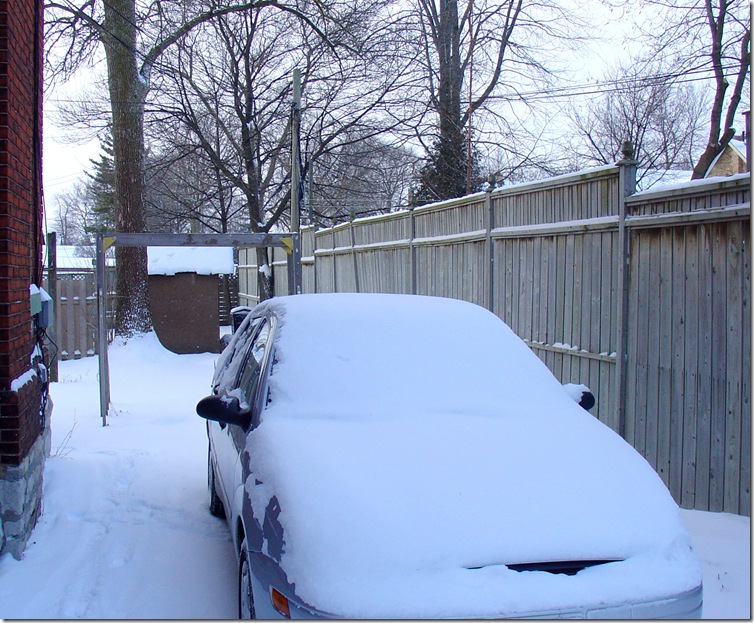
{"points": [[232, 359], [252, 369]]}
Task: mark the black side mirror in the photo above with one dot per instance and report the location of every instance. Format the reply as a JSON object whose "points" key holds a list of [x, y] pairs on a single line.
{"points": [[581, 394], [224, 409], [587, 400]]}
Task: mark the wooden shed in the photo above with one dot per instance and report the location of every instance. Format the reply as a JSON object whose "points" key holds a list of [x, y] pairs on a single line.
{"points": [[183, 296]]}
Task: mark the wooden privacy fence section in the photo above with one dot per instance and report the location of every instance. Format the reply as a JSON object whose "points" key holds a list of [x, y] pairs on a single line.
{"points": [[75, 328], [75, 315], [688, 341], [644, 298]]}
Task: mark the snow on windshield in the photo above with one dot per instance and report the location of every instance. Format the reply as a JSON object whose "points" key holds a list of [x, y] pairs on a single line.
{"points": [[400, 354], [416, 445]]}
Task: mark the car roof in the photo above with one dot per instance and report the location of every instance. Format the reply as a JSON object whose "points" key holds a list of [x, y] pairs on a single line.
{"points": [[369, 352]]}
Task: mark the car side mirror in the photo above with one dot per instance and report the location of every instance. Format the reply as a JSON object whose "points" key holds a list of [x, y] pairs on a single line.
{"points": [[581, 394], [587, 400], [224, 409]]}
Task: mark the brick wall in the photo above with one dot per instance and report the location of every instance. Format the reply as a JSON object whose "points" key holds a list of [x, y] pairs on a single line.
{"points": [[20, 222]]}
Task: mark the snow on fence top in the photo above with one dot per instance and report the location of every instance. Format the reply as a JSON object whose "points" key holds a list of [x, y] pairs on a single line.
{"points": [[200, 260]]}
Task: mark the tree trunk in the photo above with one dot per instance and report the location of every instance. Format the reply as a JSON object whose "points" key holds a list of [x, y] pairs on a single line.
{"points": [[127, 95], [265, 283], [710, 153], [451, 152], [721, 130]]}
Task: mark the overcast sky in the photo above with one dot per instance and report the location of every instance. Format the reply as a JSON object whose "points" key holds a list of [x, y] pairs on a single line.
{"points": [[65, 162]]}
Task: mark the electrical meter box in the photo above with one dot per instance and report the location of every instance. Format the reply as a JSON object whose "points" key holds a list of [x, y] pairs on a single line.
{"points": [[47, 310]]}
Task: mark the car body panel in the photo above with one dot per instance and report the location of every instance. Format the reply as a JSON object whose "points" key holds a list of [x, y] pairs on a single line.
{"points": [[447, 452]]}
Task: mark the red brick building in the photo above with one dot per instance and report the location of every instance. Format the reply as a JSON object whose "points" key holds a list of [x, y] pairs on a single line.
{"points": [[24, 408]]}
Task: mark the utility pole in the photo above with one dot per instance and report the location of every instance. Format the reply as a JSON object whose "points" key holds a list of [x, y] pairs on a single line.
{"points": [[295, 276], [295, 156]]}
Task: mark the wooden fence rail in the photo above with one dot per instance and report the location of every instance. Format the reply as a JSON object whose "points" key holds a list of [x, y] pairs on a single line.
{"points": [[646, 299]]}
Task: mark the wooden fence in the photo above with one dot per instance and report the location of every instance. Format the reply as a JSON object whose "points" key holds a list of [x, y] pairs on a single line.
{"points": [[688, 341], [75, 314], [75, 328], [644, 298]]}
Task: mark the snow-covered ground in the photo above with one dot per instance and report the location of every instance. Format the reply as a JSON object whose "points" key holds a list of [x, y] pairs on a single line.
{"points": [[125, 531]]}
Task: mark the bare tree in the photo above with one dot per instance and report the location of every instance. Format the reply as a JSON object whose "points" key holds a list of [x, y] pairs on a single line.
{"points": [[469, 50], [187, 193], [73, 217], [361, 178], [134, 37], [647, 105], [706, 38], [227, 95]]}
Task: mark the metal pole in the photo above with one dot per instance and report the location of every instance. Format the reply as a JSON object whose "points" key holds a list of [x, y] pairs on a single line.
{"points": [[295, 162], [490, 243], [310, 193], [295, 286], [411, 245], [627, 187], [104, 368]]}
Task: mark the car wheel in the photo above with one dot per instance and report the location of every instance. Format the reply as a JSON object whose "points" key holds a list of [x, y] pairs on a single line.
{"points": [[245, 593], [216, 507]]}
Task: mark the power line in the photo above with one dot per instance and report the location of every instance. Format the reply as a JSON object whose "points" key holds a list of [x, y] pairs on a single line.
{"points": [[698, 74]]}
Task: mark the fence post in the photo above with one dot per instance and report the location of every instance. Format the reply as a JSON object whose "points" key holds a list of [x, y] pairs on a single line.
{"points": [[351, 218], [104, 368], [626, 188], [314, 258], [488, 239], [411, 236]]}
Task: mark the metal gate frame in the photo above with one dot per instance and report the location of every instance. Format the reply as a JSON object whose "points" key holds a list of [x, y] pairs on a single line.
{"points": [[291, 242]]}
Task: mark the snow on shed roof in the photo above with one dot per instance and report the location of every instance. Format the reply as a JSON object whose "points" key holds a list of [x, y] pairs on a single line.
{"points": [[200, 260]]}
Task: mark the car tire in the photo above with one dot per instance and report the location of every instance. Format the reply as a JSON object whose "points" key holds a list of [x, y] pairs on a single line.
{"points": [[245, 592], [216, 507]]}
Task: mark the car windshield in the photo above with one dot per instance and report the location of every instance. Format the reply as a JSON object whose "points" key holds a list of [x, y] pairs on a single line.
{"points": [[344, 357]]}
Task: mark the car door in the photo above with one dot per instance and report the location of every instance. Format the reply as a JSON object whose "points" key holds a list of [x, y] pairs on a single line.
{"points": [[226, 380], [248, 391]]}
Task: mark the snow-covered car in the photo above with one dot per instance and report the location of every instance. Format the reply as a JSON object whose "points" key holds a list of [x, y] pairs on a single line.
{"points": [[391, 456]]}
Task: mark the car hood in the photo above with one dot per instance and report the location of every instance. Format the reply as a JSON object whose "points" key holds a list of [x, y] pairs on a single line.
{"points": [[416, 514]]}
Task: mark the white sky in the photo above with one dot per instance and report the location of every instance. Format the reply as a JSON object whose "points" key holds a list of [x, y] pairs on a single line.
{"points": [[64, 162]]}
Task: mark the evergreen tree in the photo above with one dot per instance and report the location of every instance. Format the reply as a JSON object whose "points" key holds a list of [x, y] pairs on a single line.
{"points": [[445, 174], [101, 184]]}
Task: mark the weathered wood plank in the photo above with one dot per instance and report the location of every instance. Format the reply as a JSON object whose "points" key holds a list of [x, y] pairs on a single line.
{"points": [[553, 302], [718, 346], [652, 412], [678, 359], [593, 329], [665, 347], [704, 367], [734, 355], [691, 338], [640, 356]]}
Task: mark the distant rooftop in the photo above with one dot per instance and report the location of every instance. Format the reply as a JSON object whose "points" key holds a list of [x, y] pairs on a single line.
{"points": [[72, 257]]}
